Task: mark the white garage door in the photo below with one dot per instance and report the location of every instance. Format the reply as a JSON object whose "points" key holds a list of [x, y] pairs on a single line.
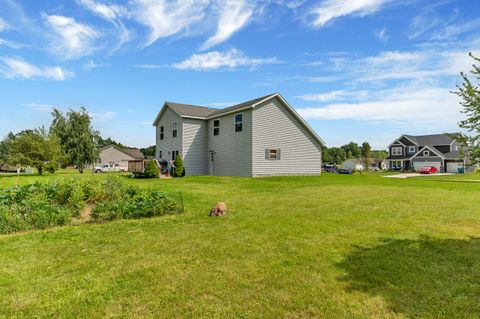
{"points": [[453, 167], [419, 165]]}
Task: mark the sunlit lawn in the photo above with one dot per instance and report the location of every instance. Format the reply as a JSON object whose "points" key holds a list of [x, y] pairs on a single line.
{"points": [[334, 246]]}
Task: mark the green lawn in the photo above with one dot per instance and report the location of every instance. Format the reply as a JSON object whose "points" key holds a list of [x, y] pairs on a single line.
{"points": [[333, 246]]}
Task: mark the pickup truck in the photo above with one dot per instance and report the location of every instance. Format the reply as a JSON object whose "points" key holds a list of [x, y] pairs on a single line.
{"points": [[105, 168]]}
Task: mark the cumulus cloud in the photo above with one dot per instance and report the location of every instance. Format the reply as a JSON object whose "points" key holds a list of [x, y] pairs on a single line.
{"points": [[234, 14], [18, 68], [328, 10], [72, 39], [216, 60], [164, 18], [406, 107]]}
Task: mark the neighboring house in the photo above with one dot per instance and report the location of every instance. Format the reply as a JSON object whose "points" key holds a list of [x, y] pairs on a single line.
{"points": [[261, 137], [353, 164], [112, 154], [358, 164], [411, 153]]}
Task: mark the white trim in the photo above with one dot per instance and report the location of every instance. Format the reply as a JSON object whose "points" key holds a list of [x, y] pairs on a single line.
{"points": [[414, 149], [396, 148], [422, 149]]}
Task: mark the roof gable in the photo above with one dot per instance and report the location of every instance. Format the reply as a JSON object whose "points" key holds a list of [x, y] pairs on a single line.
{"points": [[132, 152]]}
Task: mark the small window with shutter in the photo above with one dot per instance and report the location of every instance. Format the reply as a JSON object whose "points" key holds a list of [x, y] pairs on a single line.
{"points": [[272, 153]]}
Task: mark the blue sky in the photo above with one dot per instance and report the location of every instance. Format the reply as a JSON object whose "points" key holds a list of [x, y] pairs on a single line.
{"points": [[355, 70]]}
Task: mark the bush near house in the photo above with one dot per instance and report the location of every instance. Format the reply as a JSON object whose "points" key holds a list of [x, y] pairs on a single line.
{"points": [[57, 202], [179, 169]]}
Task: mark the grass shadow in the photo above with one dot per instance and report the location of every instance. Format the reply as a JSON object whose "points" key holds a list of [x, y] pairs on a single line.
{"points": [[424, 278]]}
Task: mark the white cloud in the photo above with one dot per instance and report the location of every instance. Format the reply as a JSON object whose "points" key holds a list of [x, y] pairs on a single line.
{"points": [[40, 107], [3, 25], [112, 13], [334, 95], [9, 44], [216, 60], [381, 34], [12, 68], [93, 65], [328, 10], [166, 18], [71, 39], [102, 116], [234, 14], [434, 108], [150, 66]]}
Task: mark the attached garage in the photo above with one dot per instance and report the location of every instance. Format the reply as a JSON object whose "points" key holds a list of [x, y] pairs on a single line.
{"points": [[419, 165], [453, 167]]}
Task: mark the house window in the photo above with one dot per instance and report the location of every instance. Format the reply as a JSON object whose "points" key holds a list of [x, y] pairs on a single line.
{"points": [[238, 122], [174, 129], [272, 153], [426, 153], [161, 132], [411, 149], [159, 154], [216, 127], [396, 164], [456, 148], [174, 155], [396, 151]]}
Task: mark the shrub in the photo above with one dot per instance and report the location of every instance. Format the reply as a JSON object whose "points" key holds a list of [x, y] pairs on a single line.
{"points": [[179, 169], [151, 171], [39, 206]]}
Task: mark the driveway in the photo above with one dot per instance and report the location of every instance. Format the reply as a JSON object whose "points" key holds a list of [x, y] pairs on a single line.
{"points": [[407, 175]]}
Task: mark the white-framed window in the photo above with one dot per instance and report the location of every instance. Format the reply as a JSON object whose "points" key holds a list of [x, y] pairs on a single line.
{"points": [[426, 153], [161, 132], [412, 149], [396, 164], [238, 122], [455, 148], [397, 150], [174, 129], [216, 127], [272, 154]]}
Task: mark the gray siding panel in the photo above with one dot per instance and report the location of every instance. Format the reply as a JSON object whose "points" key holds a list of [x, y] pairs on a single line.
{"points": [[169, 143], [233, 150], [276, 127], [195, 147]]}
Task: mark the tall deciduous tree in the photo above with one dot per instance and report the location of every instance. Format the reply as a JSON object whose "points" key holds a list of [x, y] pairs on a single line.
{"points": [[77, 136], [352, 149], [366, 152], [469, 92], [35, 148], [5, 147]]}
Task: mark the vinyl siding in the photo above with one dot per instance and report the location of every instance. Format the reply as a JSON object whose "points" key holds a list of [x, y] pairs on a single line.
{"points": [[274, 126], [169, 143], [233, 150], [112, 155], [195, 147]]}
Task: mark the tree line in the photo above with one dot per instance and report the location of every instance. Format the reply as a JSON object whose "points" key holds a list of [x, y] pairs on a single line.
{"points": [[337, 155], [70, 140]]}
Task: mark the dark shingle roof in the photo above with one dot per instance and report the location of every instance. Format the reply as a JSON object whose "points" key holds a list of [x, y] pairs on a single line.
{"points": [[190, 110], [434, 139], [134, 152], [240, 106]]}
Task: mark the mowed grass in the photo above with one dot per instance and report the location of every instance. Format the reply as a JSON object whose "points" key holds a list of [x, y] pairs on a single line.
{"points": [[333, 246]]}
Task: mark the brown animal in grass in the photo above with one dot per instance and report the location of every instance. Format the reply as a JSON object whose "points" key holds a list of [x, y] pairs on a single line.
{"points": [[219, 209]]}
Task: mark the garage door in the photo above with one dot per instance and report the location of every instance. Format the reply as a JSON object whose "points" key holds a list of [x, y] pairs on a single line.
{"points": [[453, 167], [419, 165]]}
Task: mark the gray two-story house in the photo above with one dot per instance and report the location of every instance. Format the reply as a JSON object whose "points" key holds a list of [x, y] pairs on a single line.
{"points": [[412, 153], [260, 137]]}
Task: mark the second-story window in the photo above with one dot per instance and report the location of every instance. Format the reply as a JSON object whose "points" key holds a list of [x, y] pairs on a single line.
{"points": [[411, 149], [216, 127], [174, 129], [396, 151], [161, 132], [238, 122]]}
